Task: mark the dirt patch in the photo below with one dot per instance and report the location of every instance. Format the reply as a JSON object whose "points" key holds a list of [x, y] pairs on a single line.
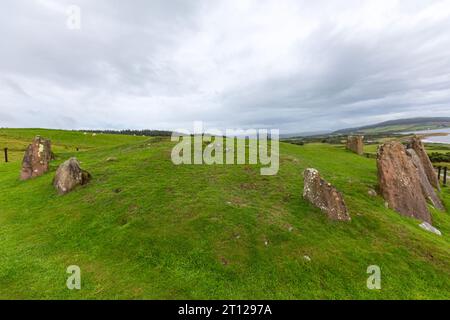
{"points": [[248, 186]]}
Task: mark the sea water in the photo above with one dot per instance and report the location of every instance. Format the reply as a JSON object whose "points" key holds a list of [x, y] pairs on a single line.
{"points": [[436, 139]]}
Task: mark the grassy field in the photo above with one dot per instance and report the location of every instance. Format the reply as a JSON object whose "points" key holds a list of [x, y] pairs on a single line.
{"points": [[144, 228]]}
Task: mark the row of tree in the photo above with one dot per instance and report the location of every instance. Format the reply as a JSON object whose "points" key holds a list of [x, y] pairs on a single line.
{"points": [[145, 132]]}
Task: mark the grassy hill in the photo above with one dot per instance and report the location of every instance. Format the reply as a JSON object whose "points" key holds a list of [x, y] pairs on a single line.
{"points": [[145, 228]]}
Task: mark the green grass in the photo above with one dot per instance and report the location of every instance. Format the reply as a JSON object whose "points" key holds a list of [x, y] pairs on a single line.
{"points": [[144, 228]]}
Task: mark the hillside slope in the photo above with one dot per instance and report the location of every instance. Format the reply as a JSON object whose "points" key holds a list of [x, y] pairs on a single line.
{"points": [[145, 228]]}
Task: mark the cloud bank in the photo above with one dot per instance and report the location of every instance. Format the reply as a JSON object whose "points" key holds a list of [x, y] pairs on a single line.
{"points": [[293, 65]]}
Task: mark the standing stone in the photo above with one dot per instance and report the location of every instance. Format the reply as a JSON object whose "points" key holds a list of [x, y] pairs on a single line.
{"points": [[427, 189], [324, 196], [419, 148], [356, 144], [36, 159], [400, 183], [69, 175]]}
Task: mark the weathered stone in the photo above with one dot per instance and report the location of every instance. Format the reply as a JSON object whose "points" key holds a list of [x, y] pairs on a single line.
{"points": [[430, 228], [69, 175], [419, 148], [399, 182], [427, 189], [36, 159], [356, 144], [372, 193], [324, 196]]}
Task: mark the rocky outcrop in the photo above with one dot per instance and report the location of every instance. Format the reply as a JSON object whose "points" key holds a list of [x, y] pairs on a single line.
{"points": [[356, 144], [69, 175], [36, 159], [427, 189], [324, 196], [417, 145], [399, 182]]}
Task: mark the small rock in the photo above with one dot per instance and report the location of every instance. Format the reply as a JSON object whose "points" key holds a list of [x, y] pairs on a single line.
{"points": [[307, 258], [111, 159], [372, 193], [224, 261], [430, 228], [69, 175]]}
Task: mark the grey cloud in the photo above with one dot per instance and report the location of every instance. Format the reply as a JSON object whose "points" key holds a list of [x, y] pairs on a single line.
{"points": [[293, 65]]}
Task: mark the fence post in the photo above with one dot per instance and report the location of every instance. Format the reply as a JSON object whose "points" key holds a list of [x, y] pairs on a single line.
{"points": [[439, 173], [445, 176], [6, 154]]}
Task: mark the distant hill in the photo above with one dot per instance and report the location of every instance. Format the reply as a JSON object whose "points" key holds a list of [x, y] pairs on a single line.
{"points": [[400, 125]]}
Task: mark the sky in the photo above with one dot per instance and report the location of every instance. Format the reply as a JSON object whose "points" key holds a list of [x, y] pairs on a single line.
{"points": [[293, 65]]}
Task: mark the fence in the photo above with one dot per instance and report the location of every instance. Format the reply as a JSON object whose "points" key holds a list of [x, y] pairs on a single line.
{"points": [[442, 174]]}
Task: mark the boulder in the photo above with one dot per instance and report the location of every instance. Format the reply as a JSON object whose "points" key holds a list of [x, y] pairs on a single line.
{"points": [[427, 189], [324, 196], [36, 159], [356, 144], [417, 145], [399, 182], [69, 175]]}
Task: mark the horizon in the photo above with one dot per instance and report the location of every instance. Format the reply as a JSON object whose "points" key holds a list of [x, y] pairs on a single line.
{"points": [[174, 130]]}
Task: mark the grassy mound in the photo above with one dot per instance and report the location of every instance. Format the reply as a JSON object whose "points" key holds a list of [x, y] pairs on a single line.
{"points": [[145, 228]]}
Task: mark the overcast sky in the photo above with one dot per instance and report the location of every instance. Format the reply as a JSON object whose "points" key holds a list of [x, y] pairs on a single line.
{"points": [[293, 65]]}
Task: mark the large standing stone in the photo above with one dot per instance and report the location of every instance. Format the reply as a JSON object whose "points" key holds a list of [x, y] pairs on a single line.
{"points": [[69, 175], [36, 159], [324, 196], [400, 183], [418, 147], [427, 189], [356, 144]]}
